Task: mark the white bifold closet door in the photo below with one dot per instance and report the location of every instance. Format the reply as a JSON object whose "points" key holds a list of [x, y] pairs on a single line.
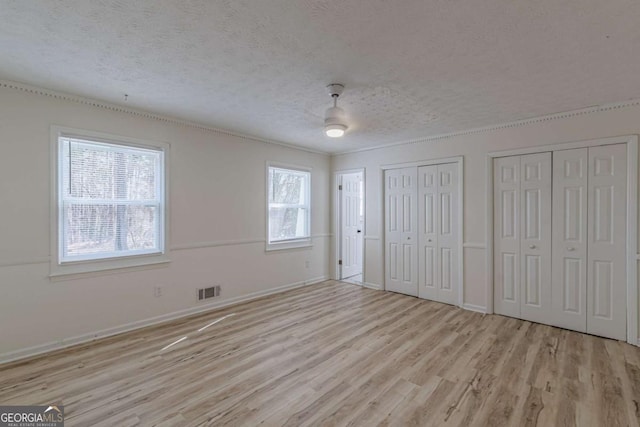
{"points": [[569, 270], [522, 236], [607, 242], [437, 232], [589, 265], [577, 278], [401, 231]]}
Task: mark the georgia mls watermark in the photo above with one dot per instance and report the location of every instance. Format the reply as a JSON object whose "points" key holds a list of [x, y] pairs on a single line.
{"points": [[32, 416]]}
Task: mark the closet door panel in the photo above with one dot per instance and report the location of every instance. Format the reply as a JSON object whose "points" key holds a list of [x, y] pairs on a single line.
{"points": [[401, 231], [606, 265], [535, 241], [569, 265], [447, 254], [428, 232], [506, 187]]}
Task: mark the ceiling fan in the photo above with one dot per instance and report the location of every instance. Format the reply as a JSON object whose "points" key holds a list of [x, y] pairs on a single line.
{"points": [[335, 123]]}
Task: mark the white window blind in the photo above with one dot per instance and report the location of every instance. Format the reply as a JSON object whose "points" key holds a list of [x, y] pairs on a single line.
{"points": [[110, 200], [288, 205]]}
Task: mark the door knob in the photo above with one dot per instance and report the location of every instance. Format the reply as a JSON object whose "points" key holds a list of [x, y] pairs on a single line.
{"points": [[428, 240], [571, 249], [359, 231], [408, 238], [532, 246]]}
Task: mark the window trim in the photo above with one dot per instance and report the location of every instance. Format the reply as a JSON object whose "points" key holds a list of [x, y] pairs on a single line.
{"points": [[104, 264], [303, 242]]}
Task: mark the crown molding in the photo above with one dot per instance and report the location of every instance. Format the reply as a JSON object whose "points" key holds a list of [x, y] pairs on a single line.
{"points": [[8, 84], [35, 90], [507, 125]]}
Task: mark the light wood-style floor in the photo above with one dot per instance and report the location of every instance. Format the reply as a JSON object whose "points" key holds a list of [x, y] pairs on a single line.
{"points": [[337, 354]]}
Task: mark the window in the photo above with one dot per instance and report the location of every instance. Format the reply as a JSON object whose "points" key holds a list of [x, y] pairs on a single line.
{"points": [[288, 202], [110, 200]]}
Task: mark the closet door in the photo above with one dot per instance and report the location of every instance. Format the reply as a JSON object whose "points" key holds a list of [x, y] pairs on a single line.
{"points": [[535, 237], [569, 265], [506, 238], [428, 232], [606, 278], [447, 220], [401, 230], [438, 232]]}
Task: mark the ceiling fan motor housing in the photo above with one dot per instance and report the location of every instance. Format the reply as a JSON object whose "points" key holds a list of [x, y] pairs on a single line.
{"points": [[334, 116]]}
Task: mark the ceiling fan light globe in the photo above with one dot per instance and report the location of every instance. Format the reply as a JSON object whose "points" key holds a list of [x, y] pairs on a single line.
{"points": [[335, 130]]}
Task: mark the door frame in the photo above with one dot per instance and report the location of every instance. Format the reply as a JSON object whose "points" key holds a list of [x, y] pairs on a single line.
{"points": [[632, 258], [459, 160], [337, 220]]}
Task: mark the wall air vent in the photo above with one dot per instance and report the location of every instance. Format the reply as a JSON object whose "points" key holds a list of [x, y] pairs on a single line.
{"points": [[206, 293]]}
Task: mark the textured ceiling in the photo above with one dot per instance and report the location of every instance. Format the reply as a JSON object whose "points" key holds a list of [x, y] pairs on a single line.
{"points": [[412, 68]]}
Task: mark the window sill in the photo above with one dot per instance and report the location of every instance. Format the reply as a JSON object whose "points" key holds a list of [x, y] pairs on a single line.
{"points": [[79, 270], [292, 244]]}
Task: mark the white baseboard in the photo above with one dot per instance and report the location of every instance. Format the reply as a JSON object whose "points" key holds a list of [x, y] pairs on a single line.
{"points": [[373, 286], [92, 336], [473, 307]]}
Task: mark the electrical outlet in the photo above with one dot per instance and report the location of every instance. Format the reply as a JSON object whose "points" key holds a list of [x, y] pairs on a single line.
{"points": [[306, 264], [157, 291]]}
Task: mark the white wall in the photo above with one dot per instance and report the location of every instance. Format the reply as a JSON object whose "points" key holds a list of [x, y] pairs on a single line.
{"points": [[217, 194], [474, 146]]}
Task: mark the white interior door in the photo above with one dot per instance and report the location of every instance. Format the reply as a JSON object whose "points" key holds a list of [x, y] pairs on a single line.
{"points": [[535, 237], [522, 236], [447, 221], [351, 225], [428, 232], [606, 278], [438, 232], [506, 238], [569, 265], [401, 231]]}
